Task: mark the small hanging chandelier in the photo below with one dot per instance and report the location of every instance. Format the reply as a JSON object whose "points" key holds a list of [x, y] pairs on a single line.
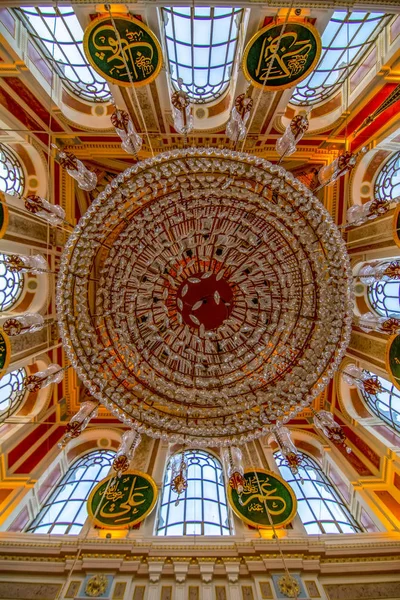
{"points": [[340, 166], [361, 213], [88, 410], [232, 458], [35, 264], [129, 442], [369, 273], [286, 145], [236, 126], [179, 475], [183, 119], [283, 438], [124, 127], [365, 382], [325, 422], [53, 374], [27, 323], [53, 214], [372, 322], [87, 180]]}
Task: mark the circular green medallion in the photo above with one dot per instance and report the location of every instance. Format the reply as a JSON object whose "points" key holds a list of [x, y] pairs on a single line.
{"points": [[393, 359], [280, 55], [123, 50], [266, 500], [123, 502]]}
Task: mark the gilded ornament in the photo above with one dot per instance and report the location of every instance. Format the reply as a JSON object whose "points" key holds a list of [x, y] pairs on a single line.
{"points": [[288, 586], [96, 586]]}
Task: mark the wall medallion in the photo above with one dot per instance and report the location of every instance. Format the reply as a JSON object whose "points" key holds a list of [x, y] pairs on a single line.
{"points": [[96, 586], [393, 359], [281, 55], [5, 352], [128, 54], [121, 502], [266, 499]]}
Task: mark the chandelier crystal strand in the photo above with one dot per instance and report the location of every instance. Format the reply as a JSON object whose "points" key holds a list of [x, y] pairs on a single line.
{"points": [[325, 422], [234, 470], [124, 127], [87, 180], [53, 374], [179, 475], [218, 311], [88, 410], [365, 382], [287, 144], [343, 164], [236, 126], [372, 322], [27, 323], [283, 438], [35, 264], [129, 442], [53, 214]]}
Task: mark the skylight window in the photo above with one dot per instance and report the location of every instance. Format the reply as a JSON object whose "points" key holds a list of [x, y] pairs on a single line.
{"points": [[58, 34], [346, 40], [201, 47]]}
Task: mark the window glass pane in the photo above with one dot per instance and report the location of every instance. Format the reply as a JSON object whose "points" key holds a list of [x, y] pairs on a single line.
{"points": [[11, 393], [201, 46], [11, 285], [346, 41], [385, 404], [320, 506], [204, 500], [12, 179], [58, 34], [384, 295], [387, 184], [65, 509]]}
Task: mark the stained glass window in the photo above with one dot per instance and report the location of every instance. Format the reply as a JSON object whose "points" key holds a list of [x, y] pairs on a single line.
{"points": [[65, 509], [201, 47], [387, 185], [347, 39], [384, 296], [202, 508], [11, 393], [319, 504], [58, 34], [12, 178], [11, 284], [385, 404]]}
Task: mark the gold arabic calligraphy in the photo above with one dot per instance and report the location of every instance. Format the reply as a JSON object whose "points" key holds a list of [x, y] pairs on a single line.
{"points": [[275, 504], [124, 51], [282, 56], [112, 507]]}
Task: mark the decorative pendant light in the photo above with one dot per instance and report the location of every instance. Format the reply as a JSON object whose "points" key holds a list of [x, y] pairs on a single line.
{"points": [[42, 208], [88, 410], [324, 421], [232, 458], [129, 442], [27, 323], [179, 475], [87, 180], [340, 166], [124, 127], [361, 213], [283, 438], [53, 374], [183, 119], [286, 145], [370, 273], [34, 264], [372, 322], [236, 126], [365, 382]]}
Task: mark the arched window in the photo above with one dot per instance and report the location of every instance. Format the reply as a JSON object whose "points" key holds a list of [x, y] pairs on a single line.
{"points": [[202, 508], [58, 35], [347, 39], [11, 285], [320, 505], [387, 184], [12, 178], [385, 404], [65, 509], [384, 296], [201, 47], [11, 393]]}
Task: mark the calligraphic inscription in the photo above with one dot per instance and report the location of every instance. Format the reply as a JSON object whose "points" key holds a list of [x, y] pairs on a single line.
{"points": [[123, 50], [3, 215], [121, 502], [280, 55], [266, 500], [5, 352], [393, 359]]}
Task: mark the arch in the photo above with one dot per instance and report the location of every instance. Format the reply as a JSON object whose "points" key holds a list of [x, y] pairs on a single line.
{"points": [[386, 404], [387, 183], [11, 286], [11, 393], [12, 177], [64, 511], [58, 36], [320, 506], [202, 510], [348, 37], [201, 45]]}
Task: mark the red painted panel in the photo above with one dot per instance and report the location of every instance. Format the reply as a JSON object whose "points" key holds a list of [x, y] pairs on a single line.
{"points": [[16, 453], [368, 109], [17, 111], [33, 460]]}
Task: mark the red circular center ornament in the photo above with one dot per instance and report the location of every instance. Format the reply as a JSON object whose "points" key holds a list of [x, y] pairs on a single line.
{"points": [[202, 299]]}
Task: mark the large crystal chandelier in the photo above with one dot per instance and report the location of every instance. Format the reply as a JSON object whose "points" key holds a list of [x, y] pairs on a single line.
{"points": [[204, 296]]}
